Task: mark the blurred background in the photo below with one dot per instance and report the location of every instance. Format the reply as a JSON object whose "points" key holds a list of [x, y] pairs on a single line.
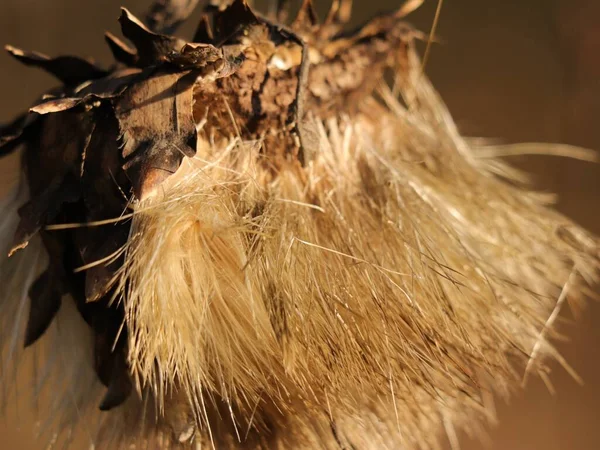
{"points": [[516, 70]]}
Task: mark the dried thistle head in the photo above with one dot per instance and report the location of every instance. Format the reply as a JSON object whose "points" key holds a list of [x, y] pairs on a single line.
{"points": [[251, 240]]}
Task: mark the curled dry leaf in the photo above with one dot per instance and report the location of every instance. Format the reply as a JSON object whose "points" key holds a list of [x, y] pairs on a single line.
{"points": [[157, 129], [165, 16], [70, 70]]}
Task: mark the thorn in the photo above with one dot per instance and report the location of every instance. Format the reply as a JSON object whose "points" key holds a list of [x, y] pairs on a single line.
{"points": [[408, 7], [339, 13], [281, 10], [432, 37], [204, 33], [307, 16]]}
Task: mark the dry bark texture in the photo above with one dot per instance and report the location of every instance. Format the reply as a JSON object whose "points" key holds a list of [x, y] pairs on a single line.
{"points": [[253, 241]]}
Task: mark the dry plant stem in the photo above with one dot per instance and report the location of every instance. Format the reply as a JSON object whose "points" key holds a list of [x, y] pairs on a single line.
{"points": [[248, 240]]}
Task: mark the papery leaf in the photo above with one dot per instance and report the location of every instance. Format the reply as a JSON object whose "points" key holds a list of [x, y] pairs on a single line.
{"points": [[157, 128], [70, 70]]}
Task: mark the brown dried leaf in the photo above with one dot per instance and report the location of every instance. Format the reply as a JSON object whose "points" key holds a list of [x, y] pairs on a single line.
{"points": [[52, 161], [104, 184], [238, 15], [100, 247], [152, 48], [119, 386], [71, 70], [109, 351], [90, 94], [165, 16], [157, 127], [43, 208], [55, 105], [12, 134], [121, 51], [45, 296], [204, 32]]}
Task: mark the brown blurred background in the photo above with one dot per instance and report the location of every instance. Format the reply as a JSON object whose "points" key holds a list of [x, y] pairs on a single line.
{"points": [[519, 70]]}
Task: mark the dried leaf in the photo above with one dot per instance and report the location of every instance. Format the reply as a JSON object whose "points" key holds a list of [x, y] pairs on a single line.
{"points": [[45, 298], [238, 13], [121, 51], [157, 127], [57, 105], [119, 387], [165, 16], [71, 70], [99, 248], [43, 208], [105, 186], [52, 162], [152, 48], [12, 134], [109, 350], [204, 32]]}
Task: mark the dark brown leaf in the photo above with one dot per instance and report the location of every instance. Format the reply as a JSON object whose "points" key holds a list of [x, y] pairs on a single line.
{"points": [[106, 318], [157, 127], [119, 387], [165, 16], [152, 48], [109, 351], [43, 208], [204, 32], [71, 70], [90, 94], [52, 161], [45, 297], [13, 134], [97, 245], [235, 17], [121, 51], [112, 85], [105, 186]]}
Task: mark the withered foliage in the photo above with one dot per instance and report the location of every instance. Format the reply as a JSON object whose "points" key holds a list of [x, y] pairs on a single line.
{"points": [[320, 353]]}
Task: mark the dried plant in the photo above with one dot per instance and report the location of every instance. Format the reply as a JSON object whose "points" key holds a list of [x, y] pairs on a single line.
{"points": [[251, 240]]}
